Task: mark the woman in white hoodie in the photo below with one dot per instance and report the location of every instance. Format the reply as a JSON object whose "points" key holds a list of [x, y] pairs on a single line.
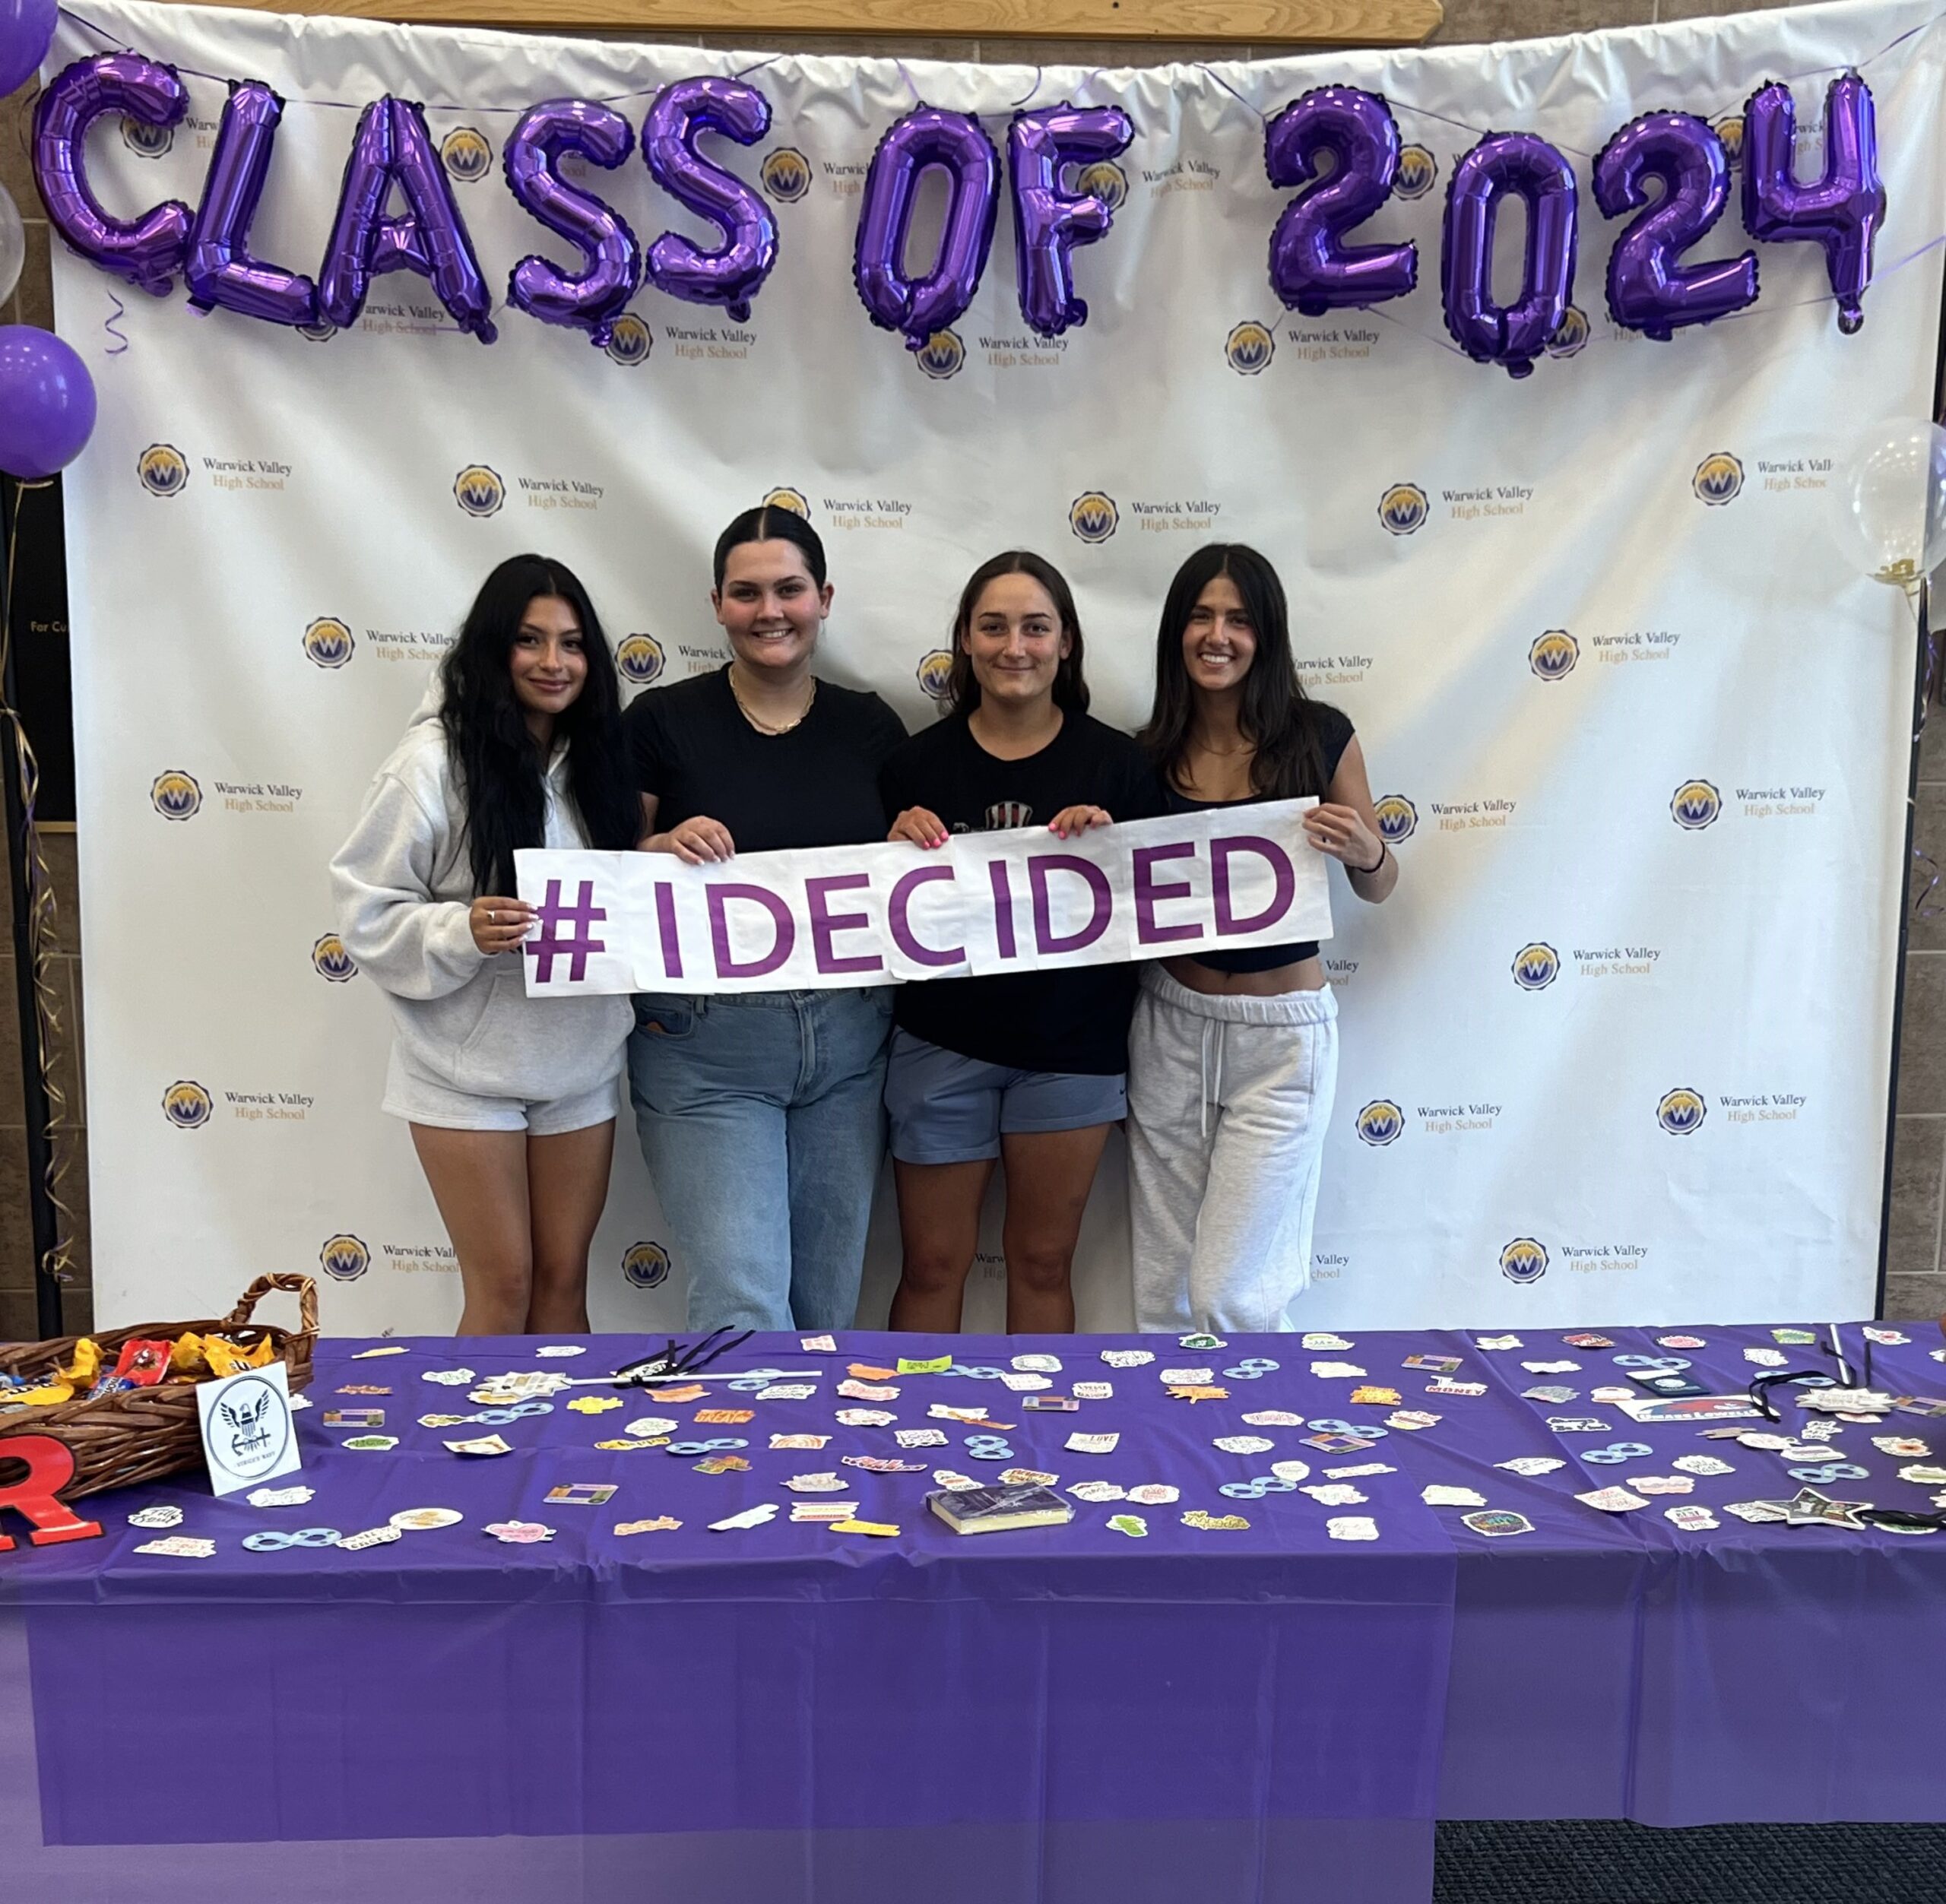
{"points": [[512, 1100]]}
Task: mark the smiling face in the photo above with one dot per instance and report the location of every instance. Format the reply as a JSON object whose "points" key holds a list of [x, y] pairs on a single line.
{"points": [[1015, 640], [769, 605], [1219, 640], [549, 661]]}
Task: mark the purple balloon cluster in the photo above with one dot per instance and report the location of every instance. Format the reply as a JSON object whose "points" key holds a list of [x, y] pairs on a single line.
{"points": [[1503, 164]]}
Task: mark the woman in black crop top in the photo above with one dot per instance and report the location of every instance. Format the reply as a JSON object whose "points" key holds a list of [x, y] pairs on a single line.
{"points": [[1233, 1057]]}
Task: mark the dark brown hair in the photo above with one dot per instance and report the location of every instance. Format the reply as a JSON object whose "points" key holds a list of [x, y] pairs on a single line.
{"points": [[1277, 717], [1070, 688]]}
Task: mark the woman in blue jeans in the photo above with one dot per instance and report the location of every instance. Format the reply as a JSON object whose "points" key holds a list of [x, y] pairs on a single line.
{"points": [[760, 1112]]}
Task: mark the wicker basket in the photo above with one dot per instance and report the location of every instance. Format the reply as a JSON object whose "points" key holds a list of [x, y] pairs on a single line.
{"points": [[144, 1433]]}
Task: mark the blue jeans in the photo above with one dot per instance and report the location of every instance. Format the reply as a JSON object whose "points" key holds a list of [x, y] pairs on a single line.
{"points": [[761, 1118]]}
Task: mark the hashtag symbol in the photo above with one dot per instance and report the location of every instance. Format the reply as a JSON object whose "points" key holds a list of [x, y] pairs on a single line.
{"points": [[577, 943]]}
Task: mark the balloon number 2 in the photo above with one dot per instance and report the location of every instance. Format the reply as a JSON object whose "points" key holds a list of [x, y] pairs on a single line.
{"points": [[1648, 290]]}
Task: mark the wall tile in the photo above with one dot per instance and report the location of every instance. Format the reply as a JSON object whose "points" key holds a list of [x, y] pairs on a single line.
{"points": [[16, 1315], [35, 299], [1933, 736], [1915, 1299], [1918, 1166], [1710, 9], [16, 1223], [58, 850], [1468, 22], [1928, 932], [1922, 1037], [16, 124]]}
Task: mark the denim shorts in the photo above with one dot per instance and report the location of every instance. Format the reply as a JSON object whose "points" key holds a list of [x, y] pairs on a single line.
{"points": [[948, 1109]]}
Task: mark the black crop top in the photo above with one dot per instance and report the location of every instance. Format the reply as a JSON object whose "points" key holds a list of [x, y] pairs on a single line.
{"points": [[1334, 734]]}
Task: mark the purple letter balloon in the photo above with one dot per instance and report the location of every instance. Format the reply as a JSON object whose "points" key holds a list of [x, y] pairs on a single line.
{"points": [[733, 273], [148, 251], [595, 297], [1841, 210], [392, 147], [955, 142], [1311, 269], [1648, 290], [1516, 334], [220, 270], [46, 403], [1049, 222]]}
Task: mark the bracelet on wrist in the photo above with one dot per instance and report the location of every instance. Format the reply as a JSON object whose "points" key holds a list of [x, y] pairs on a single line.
{"points": [[1377, 865]]}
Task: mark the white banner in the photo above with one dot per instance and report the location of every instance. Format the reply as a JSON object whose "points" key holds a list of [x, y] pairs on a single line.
{"points": [[1018, 900], [1616, 1050]]}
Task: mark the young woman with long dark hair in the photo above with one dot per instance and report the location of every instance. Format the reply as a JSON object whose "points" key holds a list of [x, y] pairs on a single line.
{"points": [[761, 1113], [1025, 1068], [1233, 1057], [511, 1100]]}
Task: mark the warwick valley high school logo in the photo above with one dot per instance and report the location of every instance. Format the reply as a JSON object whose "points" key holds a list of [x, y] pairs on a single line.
{"points": [[639, 659], [327, 641], [1718, 480], [1523, 1260], [1398, 818], [163, 470], [186, 1105], [1681, 1111], [629, 340], [466, 154], [1093, 516], [1403, 508], [331, 960], [1536, 967], [478, 490], [1249, 348], [645, 1266], [786, 174], [175, 795], [344, 1259], [1695, 805], [1381, 1122], [1554, 654], [941, 355]]}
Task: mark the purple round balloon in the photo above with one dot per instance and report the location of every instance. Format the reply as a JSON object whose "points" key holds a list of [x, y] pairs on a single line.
{"points": [[1512, 335], [27, 31], [1843, 209], [1049, 221], [733, 272], [955, 142], [46, 403], [392, 147], [147, 250], [593, 298], [220, 270], [1648, 290], [1312, 270]]}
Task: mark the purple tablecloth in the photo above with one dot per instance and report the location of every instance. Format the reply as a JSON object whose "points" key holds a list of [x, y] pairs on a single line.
{"points": [[1062, 1714]]}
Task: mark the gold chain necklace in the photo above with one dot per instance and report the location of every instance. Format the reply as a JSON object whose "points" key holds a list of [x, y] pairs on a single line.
{"points": [[765, 727]]}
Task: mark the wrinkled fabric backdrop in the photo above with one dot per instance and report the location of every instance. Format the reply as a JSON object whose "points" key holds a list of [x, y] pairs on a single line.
{"points": [[1507, 1148]]}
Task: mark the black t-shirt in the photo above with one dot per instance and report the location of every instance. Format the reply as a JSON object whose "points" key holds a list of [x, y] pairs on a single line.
{"points": [[1334, 735], [817, 785], [1072, 1020]]}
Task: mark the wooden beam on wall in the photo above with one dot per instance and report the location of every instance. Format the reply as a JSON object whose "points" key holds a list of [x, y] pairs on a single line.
{"points": [[1254, 23]]}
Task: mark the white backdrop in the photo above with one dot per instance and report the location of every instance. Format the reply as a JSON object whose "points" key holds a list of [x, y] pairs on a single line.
{"points": [[1680, 1114]]}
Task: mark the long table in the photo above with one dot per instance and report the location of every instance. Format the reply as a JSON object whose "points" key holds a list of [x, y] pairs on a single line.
{"points": [[1091, 1711]]}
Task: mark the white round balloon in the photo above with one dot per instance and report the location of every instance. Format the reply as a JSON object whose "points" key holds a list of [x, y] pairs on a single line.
{"points": [[13, 246], [1893, 501]]}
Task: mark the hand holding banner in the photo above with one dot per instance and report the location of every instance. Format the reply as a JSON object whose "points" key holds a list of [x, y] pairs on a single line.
{"points": [[1016, 901]]}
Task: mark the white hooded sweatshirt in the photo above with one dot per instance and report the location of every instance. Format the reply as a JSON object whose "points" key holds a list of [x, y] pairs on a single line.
{"points": [[404, 884]]}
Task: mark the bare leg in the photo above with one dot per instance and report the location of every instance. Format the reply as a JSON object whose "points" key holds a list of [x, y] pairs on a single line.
{"points": [[479, 1180], [939, 1224], [567, 1185], [1049, 1174]]}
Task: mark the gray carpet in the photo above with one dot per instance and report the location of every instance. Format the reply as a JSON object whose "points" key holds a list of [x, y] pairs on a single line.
{"points": [[1599, 1861]]}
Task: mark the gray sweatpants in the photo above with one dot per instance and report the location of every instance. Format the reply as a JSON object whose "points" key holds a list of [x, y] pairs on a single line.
{"points": [[1228, 1100]]}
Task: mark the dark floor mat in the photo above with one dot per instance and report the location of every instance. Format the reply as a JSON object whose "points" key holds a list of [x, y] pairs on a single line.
{"points": [[1602, 1862]]}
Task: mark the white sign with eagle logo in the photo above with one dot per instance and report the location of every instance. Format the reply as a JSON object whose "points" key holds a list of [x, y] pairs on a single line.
{"points": [[247, 1434]]}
